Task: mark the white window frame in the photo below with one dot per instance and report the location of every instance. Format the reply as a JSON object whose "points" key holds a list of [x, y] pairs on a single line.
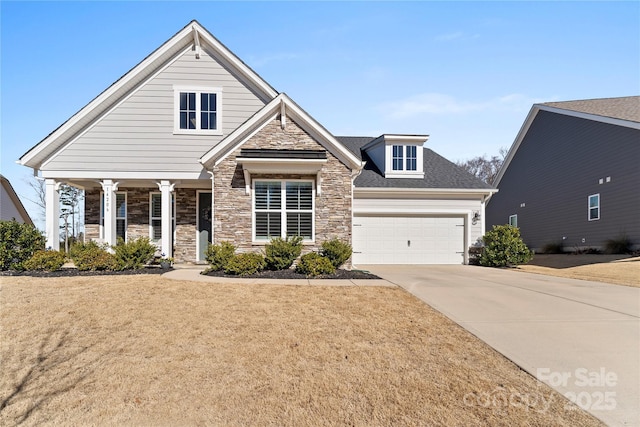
{"points": [[589, 207], [126, 212], [513, 220], [198, 90], [158, 242], [283, 209], [390, 172]]}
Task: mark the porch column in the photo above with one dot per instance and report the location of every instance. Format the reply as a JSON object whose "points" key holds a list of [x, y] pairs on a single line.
{"points": [[109, 188], [52, 207], [166, 188]]}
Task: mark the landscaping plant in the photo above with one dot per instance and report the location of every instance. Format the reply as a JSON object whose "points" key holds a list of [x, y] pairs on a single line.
{"points": [[92, 256], [45, 260], [314, 264], [245, 264], [620, 245], [337, 251], [503, 247], [281, 253], [219, 255], [134, 254], [18, 243]]}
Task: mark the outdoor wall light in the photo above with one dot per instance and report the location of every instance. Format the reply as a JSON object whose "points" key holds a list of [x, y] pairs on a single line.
{"points": [[476, 217]]}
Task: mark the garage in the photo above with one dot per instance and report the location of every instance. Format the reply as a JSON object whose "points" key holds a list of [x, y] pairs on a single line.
{"points": [[409, 239]]}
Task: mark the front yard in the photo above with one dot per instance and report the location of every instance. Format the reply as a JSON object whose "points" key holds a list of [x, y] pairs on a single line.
{"points": [[142, 350]]}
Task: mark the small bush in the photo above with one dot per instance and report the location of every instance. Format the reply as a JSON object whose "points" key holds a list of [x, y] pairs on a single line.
{"points": [[45, 260], [620, 245], [553, 248], [134, 254], [245, 264], [18, 243], [281, 253], [337, 251], [504, 247], [314, 264], [219, 255], [92, 256]]}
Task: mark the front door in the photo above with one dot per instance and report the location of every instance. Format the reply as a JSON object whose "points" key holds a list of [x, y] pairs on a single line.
{"points": [[204, 223]]}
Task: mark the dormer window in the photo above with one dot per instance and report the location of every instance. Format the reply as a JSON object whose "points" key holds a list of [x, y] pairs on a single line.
{"points": [[398, 156], [197, 110], [404, 157]]}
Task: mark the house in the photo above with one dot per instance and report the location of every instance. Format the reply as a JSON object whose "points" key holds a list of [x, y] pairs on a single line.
{"points": [[10, 205], [572, 176], [191, 146]]}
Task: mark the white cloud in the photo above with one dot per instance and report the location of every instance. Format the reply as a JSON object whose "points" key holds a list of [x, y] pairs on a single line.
{"points": [[437, 103]]}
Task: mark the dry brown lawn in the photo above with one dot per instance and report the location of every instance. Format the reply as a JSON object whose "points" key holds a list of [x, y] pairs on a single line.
{"points": [[142, 350], [616, 269]]}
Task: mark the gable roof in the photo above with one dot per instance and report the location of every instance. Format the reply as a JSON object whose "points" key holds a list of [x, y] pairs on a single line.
{"points": [[6, 185], [622, 111], [440, 173], [193, 36], [623, 108], [282, 104]]}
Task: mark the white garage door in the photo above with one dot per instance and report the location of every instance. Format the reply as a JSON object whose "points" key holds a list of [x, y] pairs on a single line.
{"points": [[408, 240]]}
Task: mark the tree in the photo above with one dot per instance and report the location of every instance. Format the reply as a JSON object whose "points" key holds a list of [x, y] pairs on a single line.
{"points": [[70, 198], [39, 194], [484, 167]]}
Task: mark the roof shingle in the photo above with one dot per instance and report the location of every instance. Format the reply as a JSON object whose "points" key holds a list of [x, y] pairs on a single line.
{"points": [[623, 108]]}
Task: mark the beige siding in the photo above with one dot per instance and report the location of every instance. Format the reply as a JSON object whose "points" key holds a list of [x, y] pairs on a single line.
{"points": [[137, 135]]}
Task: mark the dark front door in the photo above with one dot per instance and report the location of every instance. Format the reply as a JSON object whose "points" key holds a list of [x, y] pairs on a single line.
{"points": [[204, 223]]}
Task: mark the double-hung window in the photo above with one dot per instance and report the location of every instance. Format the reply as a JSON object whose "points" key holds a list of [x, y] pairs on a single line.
{"points": [[121, 215], [283, 208], [513, 220], [404, 158], [594, 207], [197, 110], [155, 216]]}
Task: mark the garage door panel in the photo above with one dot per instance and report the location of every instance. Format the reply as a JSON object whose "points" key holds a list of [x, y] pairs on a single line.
{"points": [[408, 240]]}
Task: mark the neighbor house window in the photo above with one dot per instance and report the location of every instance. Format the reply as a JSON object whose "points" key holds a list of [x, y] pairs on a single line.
{"points": [[594, 207], [513, 220], [121, 215], [283, 208], [155, 216], [197, 110], [404, 158]]}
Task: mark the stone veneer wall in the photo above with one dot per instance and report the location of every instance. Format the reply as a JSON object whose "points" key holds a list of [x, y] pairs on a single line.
{"points": [[232, 215], [138, 218]]}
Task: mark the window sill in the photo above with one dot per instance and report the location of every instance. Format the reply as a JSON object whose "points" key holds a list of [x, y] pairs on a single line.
{"points": [[266, 242], [401, 174], [196, 132]]}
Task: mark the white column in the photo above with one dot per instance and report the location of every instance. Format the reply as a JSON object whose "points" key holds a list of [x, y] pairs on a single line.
{"points": [[166, 188], [109, 189], [52, 207]]}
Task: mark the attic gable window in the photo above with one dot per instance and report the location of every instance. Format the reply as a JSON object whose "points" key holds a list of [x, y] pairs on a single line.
{"points": [[197, 110]]}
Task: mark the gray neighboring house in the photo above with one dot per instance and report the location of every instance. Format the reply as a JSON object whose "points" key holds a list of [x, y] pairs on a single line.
{"points": [[572, 176], [191, 146], [10, 205]]}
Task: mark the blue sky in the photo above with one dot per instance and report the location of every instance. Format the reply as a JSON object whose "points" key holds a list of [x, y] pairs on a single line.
{"points": [[465, 73]]}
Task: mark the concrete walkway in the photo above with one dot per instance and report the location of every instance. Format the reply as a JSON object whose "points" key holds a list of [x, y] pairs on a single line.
{"points": [[582, 338], [192, 273]]}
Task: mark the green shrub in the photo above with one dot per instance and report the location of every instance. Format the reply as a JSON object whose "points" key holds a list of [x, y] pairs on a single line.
{"points": [[314, 264], [45, 260], [92, 256], [134, 254], [18, 243], [503, 247], [281, 253], [337, 251], [219, 255], [620, 245], [245, 264]]}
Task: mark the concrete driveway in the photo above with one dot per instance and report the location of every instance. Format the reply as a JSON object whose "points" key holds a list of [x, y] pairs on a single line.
{"points": [[581, 338]]}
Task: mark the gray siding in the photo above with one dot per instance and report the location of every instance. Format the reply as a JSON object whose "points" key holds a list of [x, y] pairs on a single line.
{"points": [[138, 134], [557, 166]]}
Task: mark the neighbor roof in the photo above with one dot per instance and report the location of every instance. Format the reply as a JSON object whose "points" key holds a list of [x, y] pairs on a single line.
{"points": [[438, 171], [623, 108]]}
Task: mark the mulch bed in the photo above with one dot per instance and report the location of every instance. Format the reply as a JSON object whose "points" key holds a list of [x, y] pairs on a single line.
{"points": [[291, 274], [74, 272]]}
